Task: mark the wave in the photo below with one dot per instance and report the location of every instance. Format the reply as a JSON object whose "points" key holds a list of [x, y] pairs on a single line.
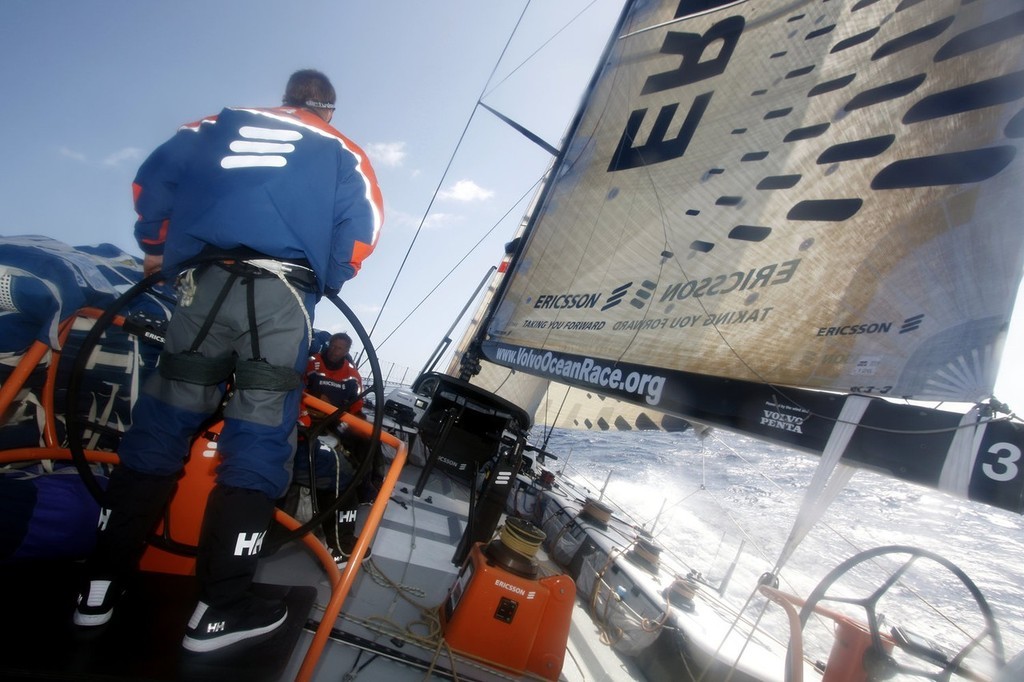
{"points": [[715, 494]]}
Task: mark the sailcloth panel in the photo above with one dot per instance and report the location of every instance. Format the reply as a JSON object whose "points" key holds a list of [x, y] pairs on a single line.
{"points": [[824, 195], [552, 403], [562, 406]]}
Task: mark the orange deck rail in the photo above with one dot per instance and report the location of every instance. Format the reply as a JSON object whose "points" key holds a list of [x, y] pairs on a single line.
{"points": [[341, 581]]}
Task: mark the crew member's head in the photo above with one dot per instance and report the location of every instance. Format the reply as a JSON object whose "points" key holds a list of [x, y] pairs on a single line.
{"points": [[310, 89], [337, 349]]}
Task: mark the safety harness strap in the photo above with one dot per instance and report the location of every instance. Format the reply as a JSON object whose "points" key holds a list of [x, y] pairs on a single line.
{"points": [[250, 301], [193, 368], [261, 375], [208, 322]]}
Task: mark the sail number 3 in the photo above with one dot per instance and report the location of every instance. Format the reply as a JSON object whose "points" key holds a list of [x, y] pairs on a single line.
{"points": [[1005, 467]]}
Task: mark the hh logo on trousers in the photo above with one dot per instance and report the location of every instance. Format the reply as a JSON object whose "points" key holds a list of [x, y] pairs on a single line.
{"points": [[249, 543]]}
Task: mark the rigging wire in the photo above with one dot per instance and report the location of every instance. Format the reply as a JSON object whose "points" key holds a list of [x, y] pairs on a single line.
{"points": [[503, 381], [541, 47], [487, 90], [461, 261], [444, 175], [551, 427]]}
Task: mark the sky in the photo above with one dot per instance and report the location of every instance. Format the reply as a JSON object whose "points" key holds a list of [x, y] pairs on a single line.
{"points": [[90, 88], [100, 84]]}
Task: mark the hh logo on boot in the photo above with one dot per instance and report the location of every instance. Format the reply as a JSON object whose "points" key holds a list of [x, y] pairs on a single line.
{"points": [[249, 543]]}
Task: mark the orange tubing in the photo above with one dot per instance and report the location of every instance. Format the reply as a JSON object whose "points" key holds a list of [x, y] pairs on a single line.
{"points": [[28, 454], [16, 380], [313, 544], [30, 360], [341, 581], [789, 602], [341, 586]]}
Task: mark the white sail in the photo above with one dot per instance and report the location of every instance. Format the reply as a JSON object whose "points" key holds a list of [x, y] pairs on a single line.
{"points": [[552, 403], [766, 210], [822, 195]]}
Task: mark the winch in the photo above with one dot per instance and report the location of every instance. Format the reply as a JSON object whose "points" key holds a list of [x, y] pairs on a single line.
{"points": [[500, 612]]}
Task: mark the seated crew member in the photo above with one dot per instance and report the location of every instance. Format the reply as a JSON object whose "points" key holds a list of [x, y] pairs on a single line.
{"points": [[331, 376]]}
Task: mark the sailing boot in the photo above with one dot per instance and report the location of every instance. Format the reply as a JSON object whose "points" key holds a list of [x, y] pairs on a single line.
{"points": [[135, 502], [234, 526], [345, 534], [325, 497]]}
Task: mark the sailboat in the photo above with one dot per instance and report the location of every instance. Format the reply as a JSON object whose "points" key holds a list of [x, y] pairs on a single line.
{"points": [[791, 220]]}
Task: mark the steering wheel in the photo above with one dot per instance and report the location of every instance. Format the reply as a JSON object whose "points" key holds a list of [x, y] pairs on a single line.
{"points": [[75, 420], [77, 423], [878, 663]]}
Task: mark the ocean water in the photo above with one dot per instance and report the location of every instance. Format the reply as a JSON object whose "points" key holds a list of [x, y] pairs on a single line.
{"points": [[726, 491]]}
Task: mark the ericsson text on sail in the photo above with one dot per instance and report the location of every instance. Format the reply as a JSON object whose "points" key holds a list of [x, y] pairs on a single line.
{"points": [[768, 275]]}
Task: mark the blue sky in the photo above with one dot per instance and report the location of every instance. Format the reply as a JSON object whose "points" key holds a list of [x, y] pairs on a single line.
{"points": [[99, 84], [91, 87]]}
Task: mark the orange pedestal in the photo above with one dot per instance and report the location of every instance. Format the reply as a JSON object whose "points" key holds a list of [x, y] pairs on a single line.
{"points": [[507, 621], [846, 660], [187, 507]]}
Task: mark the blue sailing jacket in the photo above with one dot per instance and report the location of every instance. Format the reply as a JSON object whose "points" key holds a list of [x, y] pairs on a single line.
{"points": [[278, 181]]}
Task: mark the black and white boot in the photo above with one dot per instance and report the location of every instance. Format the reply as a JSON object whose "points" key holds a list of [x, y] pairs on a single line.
{"points": [[215, 627], [234, 526], [135, 502]]}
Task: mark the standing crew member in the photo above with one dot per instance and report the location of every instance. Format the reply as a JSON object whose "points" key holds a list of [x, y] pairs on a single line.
{"points": [[280, 208]]}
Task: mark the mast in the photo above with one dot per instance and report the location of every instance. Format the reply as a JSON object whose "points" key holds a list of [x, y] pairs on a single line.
{"points": [[523, 239]]}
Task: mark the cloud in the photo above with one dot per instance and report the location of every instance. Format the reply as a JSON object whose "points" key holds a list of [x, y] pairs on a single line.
{"points": [[387, 153], [72, 154], [121, 155], [127, 154], [434, 221], [438, 221], [465, 190], [394, 218]]}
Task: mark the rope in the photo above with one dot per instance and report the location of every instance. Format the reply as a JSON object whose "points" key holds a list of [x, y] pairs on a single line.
{"points": [[434, 641], [525, 540], [606, 627], [598, 580], [383, 580], [281, 270]]}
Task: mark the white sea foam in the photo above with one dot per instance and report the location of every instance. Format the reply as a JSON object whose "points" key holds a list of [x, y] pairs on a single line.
{"points": [[751, 493]]}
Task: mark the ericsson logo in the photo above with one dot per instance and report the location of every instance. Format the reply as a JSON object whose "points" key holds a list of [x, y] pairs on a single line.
{"points": [[461, 466], [643, 294], [618, 293], [911, 324], [266, 147], [639, 300]]}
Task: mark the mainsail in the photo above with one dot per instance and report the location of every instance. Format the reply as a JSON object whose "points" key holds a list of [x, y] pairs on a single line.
{"points": [[551, 403], [766, 207]]}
